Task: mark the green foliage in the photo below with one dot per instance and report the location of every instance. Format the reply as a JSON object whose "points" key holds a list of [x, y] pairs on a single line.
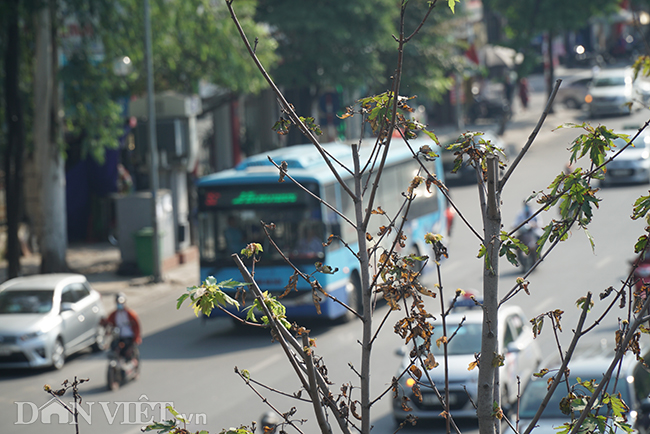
{"points": [[526, 18], [210, 293], [171, 425], [608, 414], [581, 303], [192, 41], [471, 148], [94, 119], [452, 4], [509, 245], [328, 44], [431, 58], [276, 308], [252, 249], [641, 66], [283, 125], [378, 112], [595, 142]]}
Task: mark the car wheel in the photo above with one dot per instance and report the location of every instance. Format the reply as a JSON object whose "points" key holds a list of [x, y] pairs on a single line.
{"points": [[58, 354], [101, 340], [571, 103]]}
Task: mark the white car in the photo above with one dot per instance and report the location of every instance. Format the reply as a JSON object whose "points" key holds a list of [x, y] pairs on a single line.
{"points": [[46, 317], [633, 164], [614, 91], [522, 357], [632, 382]]}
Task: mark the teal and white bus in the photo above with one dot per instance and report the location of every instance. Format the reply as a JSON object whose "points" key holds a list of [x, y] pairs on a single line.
{"points": [[232, 203]]}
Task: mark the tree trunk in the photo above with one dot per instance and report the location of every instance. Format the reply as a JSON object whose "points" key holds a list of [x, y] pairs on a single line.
{"points": [[15, 142], [488, 377], [49, 158]]}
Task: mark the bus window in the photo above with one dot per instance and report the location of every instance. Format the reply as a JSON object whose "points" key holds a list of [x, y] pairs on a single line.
{"points": [[234, 219], [310, 243], [207, 240]]}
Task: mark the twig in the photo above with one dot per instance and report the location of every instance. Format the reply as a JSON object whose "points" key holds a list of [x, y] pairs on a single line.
{"points": [[572, 346], [620, 352]]}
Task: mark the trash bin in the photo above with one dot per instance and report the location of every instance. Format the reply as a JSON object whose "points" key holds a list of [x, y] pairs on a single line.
{"points": [[144, 249]]}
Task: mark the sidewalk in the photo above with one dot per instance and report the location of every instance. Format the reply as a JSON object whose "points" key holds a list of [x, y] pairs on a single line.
{"points": [[99, 263]]}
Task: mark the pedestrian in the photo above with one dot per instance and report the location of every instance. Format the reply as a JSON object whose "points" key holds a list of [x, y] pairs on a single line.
{"points": [[508, 88], [524, 92]]}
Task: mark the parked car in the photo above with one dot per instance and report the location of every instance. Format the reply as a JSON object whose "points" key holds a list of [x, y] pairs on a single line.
{"points": [[45, 318], [522, 356], [633, 383], [614, 91], [572, 93], [633, 164], [466, 174]]}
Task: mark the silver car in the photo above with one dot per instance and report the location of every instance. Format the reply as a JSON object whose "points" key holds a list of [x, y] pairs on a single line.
{"points": [[45, 318], [522, 356], [633, 164], [572, 93], [614, 91], [632, 382]]}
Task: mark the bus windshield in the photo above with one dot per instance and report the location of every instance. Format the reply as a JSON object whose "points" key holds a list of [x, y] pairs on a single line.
{"points": [[230, 216]]}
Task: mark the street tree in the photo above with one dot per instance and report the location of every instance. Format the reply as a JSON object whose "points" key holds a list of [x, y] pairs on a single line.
{"points": [[15, 140], [350, 57], [394, 277], [193, 41]]}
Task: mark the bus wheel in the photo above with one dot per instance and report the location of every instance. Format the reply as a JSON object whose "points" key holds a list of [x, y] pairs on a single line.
{"points": [[354, 298]]}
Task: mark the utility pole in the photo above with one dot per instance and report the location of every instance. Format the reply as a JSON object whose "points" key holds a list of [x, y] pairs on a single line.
{"points": [[153, 148]]}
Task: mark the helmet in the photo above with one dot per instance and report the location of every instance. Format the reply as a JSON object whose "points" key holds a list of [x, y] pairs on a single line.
{"points": [[120, 298], [269, 422]]}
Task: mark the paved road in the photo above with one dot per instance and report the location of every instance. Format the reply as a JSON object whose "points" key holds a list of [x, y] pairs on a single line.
{"points": [[191, 364]]}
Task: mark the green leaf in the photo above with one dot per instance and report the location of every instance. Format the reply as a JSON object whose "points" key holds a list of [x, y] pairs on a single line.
{"points": [[161, 427], [641, 207], [591, 240], [176, 414], [619, 408], [641, 244], [452, 4], [432, 136], [246, 374], [181, 299]]}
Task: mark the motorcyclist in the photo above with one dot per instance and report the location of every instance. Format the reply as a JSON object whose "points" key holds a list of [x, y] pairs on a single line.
{"points": [[127, 322], [530, 232]]}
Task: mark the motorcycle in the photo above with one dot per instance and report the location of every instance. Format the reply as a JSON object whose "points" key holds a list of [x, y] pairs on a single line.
{"points": [[529, 238], [123, 361]]}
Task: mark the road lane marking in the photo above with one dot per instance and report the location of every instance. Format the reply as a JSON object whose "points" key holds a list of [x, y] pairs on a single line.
{"points": [[266, 362]]}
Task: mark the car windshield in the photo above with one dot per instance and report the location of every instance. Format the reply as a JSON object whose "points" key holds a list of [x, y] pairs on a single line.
{"points": [[536, 391], [26, 301], [467, 340], [609, 81]]}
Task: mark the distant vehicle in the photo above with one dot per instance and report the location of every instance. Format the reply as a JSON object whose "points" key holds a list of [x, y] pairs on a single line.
{"points": [[233, 202], [45, 318], [614, 91], [633, 164], [522, 356], [466, 174], [572, 93], [633, 383]]}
